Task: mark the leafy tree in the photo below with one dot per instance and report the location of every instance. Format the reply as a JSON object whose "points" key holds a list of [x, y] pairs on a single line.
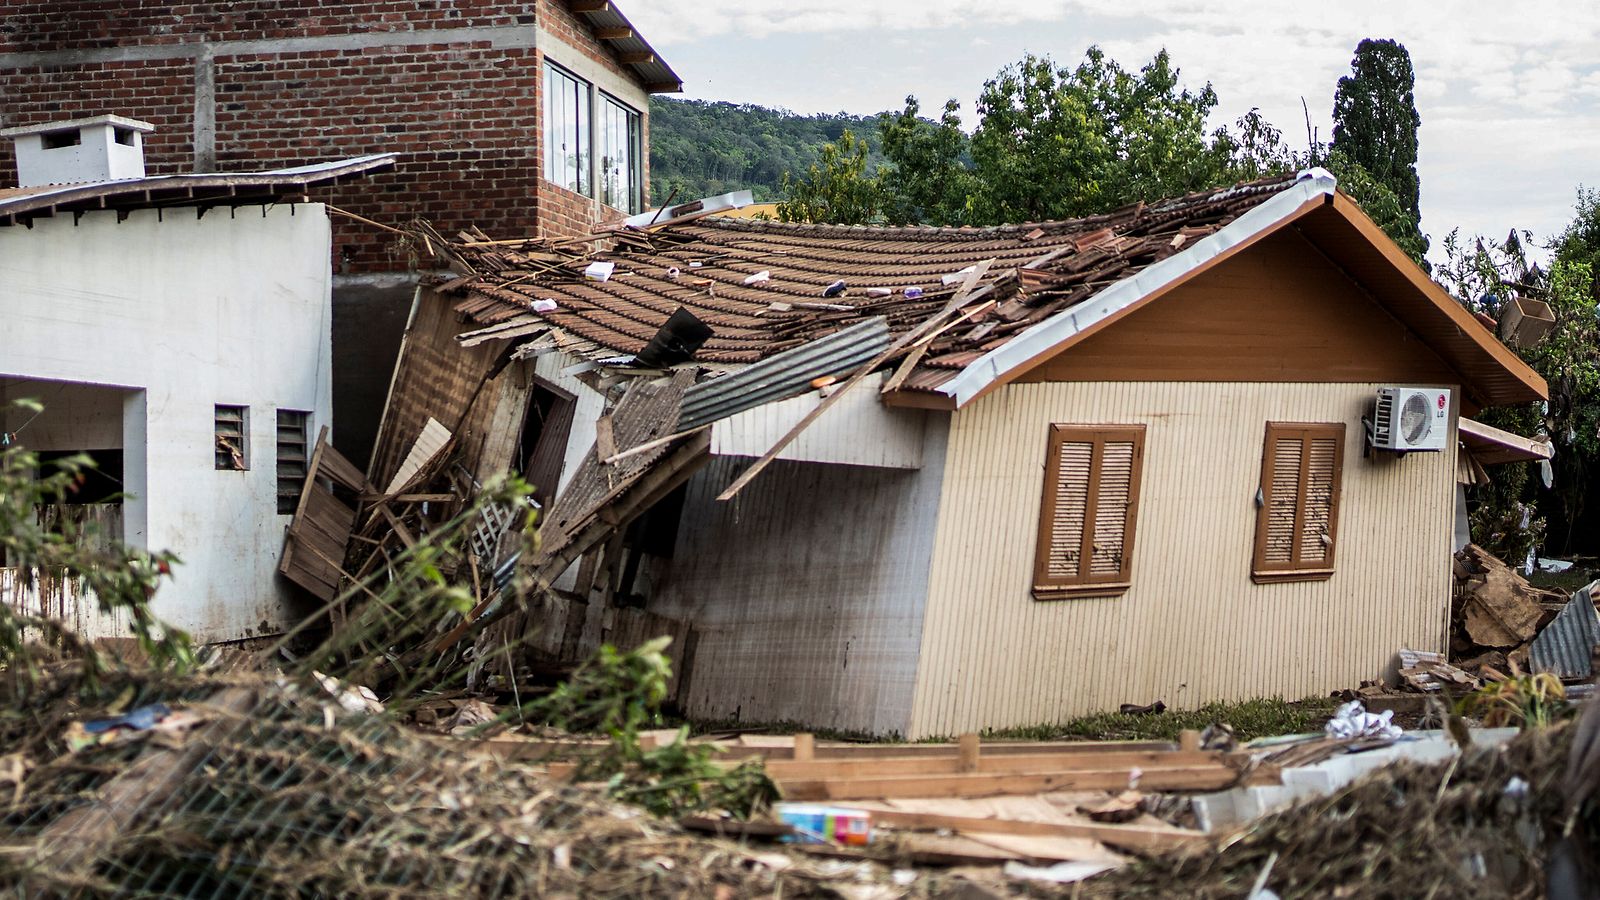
{"points": [[1058, 143], [1482, 275], [1381, 204], [929, 179], [835, 188], [704, 148], [1258, 151], [1375, 120]]}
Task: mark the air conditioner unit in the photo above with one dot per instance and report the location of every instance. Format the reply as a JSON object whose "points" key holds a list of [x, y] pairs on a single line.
{"points": [[1410, 418]]}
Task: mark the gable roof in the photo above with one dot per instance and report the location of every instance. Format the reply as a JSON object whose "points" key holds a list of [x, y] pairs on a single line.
{"points": [[1049, 285]]}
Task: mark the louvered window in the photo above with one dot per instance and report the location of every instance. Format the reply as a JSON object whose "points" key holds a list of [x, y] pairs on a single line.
{"points": [[230, 437], [1297, 521], [292, 456], [1091, 499]]}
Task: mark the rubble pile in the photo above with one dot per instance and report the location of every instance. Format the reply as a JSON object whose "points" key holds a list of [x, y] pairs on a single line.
{"points": [[1496, 615], [1482, 825], [281, 791]]}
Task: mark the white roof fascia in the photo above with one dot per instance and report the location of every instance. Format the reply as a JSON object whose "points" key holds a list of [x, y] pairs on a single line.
{"points": [[1001, 361]]}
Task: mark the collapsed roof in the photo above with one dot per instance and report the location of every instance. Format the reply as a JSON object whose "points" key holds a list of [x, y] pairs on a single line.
{"points": [[766, 287]]}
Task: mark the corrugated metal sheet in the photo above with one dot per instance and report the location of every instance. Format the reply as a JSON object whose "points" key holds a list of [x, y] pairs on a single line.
{"points": [[1193, 628], [1566, 646], [193, 189], [785, 375], [806, 591]]}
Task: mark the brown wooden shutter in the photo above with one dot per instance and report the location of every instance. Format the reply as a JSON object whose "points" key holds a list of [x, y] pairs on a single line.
{"points": [[1297, 523], [1091, 492]]}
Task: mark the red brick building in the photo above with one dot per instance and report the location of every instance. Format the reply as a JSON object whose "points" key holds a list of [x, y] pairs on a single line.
{"points": [[517, 117]]}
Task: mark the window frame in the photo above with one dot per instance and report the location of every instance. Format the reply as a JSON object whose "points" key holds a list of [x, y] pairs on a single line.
{"points": [[1264, 571], [633, 125], [583, 121], [218, 436], [1086, 583]]}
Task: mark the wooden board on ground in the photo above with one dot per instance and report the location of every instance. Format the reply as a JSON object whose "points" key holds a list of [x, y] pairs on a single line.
{"points": [[984, 784], [1024, 816], [827, 768]]}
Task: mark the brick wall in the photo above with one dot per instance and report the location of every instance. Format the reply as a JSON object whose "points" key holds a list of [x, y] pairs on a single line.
{"points": [[39, 25], [462, 114]]}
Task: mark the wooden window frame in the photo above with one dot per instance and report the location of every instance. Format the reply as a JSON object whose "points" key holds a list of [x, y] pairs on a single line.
{"points": [[1086, 583], [1261, 570]]}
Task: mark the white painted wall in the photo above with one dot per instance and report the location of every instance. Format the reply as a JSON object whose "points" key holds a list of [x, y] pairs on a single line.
{"points": [[857, 430], [807, 590], [186, 312]]}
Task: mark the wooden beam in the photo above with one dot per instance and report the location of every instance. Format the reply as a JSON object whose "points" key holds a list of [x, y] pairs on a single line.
{"points": [[821, 767], [1126, 837], [613, 34], [636, 59], [990, 784], [583, 6], [967, 753]]}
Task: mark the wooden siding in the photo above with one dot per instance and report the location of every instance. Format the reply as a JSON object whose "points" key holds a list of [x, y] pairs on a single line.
{"points": [[1279, 312], [1192, 628], [434, 377], [806, 591]]}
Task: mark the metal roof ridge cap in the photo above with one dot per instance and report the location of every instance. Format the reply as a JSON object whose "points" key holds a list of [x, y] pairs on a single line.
{"points": [[1256, 221]]}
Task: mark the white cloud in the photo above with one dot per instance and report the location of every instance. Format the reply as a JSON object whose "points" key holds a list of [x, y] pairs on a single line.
{"points": [[1509, 93]]}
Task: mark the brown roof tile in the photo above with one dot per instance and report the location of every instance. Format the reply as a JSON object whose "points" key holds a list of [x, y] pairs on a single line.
{"points": [[1038, 270]]}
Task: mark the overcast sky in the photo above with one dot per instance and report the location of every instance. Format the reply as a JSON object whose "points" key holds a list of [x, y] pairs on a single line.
{"points": [[1507, 91]]}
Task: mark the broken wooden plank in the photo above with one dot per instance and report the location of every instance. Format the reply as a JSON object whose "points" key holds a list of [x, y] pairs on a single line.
{"points": [[986, 784], [1127, 837], [818, 768]]}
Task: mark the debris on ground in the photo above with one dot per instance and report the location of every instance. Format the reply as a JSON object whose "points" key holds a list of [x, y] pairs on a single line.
{"points": [[1496, 610], [1479, 825]]}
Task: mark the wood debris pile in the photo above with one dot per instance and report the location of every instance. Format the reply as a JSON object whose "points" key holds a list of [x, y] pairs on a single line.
{"points": [[1495, 617], [967, 803]]}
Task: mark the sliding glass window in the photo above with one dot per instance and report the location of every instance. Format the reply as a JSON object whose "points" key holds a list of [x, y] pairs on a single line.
{"points": [[621, 162], [566, 130]]}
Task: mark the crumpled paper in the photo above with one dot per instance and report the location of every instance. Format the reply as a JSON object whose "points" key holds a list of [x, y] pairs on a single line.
{"points": [[1352, 721]]}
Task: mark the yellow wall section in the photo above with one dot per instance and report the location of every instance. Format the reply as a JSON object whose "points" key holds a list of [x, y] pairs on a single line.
{"points": [[1193, 628]]}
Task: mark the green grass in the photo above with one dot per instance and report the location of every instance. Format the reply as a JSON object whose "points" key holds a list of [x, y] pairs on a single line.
{"points": [[1250, 720], [1567, 582]]}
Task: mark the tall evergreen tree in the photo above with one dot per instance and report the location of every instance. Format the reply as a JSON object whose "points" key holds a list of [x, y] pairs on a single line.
{"points": [[1375, 118]]}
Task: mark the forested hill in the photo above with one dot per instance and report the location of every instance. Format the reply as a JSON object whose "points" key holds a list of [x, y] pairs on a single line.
{"points": [[704, 148]]}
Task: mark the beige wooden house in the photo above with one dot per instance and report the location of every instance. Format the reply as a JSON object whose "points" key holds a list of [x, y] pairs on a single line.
{"points": [[1119, 459]]}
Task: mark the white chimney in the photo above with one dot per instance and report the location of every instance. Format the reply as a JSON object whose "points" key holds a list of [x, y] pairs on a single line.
{"points": [[101, 148]]}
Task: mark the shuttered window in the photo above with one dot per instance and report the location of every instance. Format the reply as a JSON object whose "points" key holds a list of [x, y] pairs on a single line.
{"points": [[230, 437], [292, 457], [1091, 499], [1297, 522]]}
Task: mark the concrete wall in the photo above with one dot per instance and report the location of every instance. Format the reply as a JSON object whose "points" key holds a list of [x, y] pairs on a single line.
{"points": [[1193, 627], [806, 590], [184, 313]]}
